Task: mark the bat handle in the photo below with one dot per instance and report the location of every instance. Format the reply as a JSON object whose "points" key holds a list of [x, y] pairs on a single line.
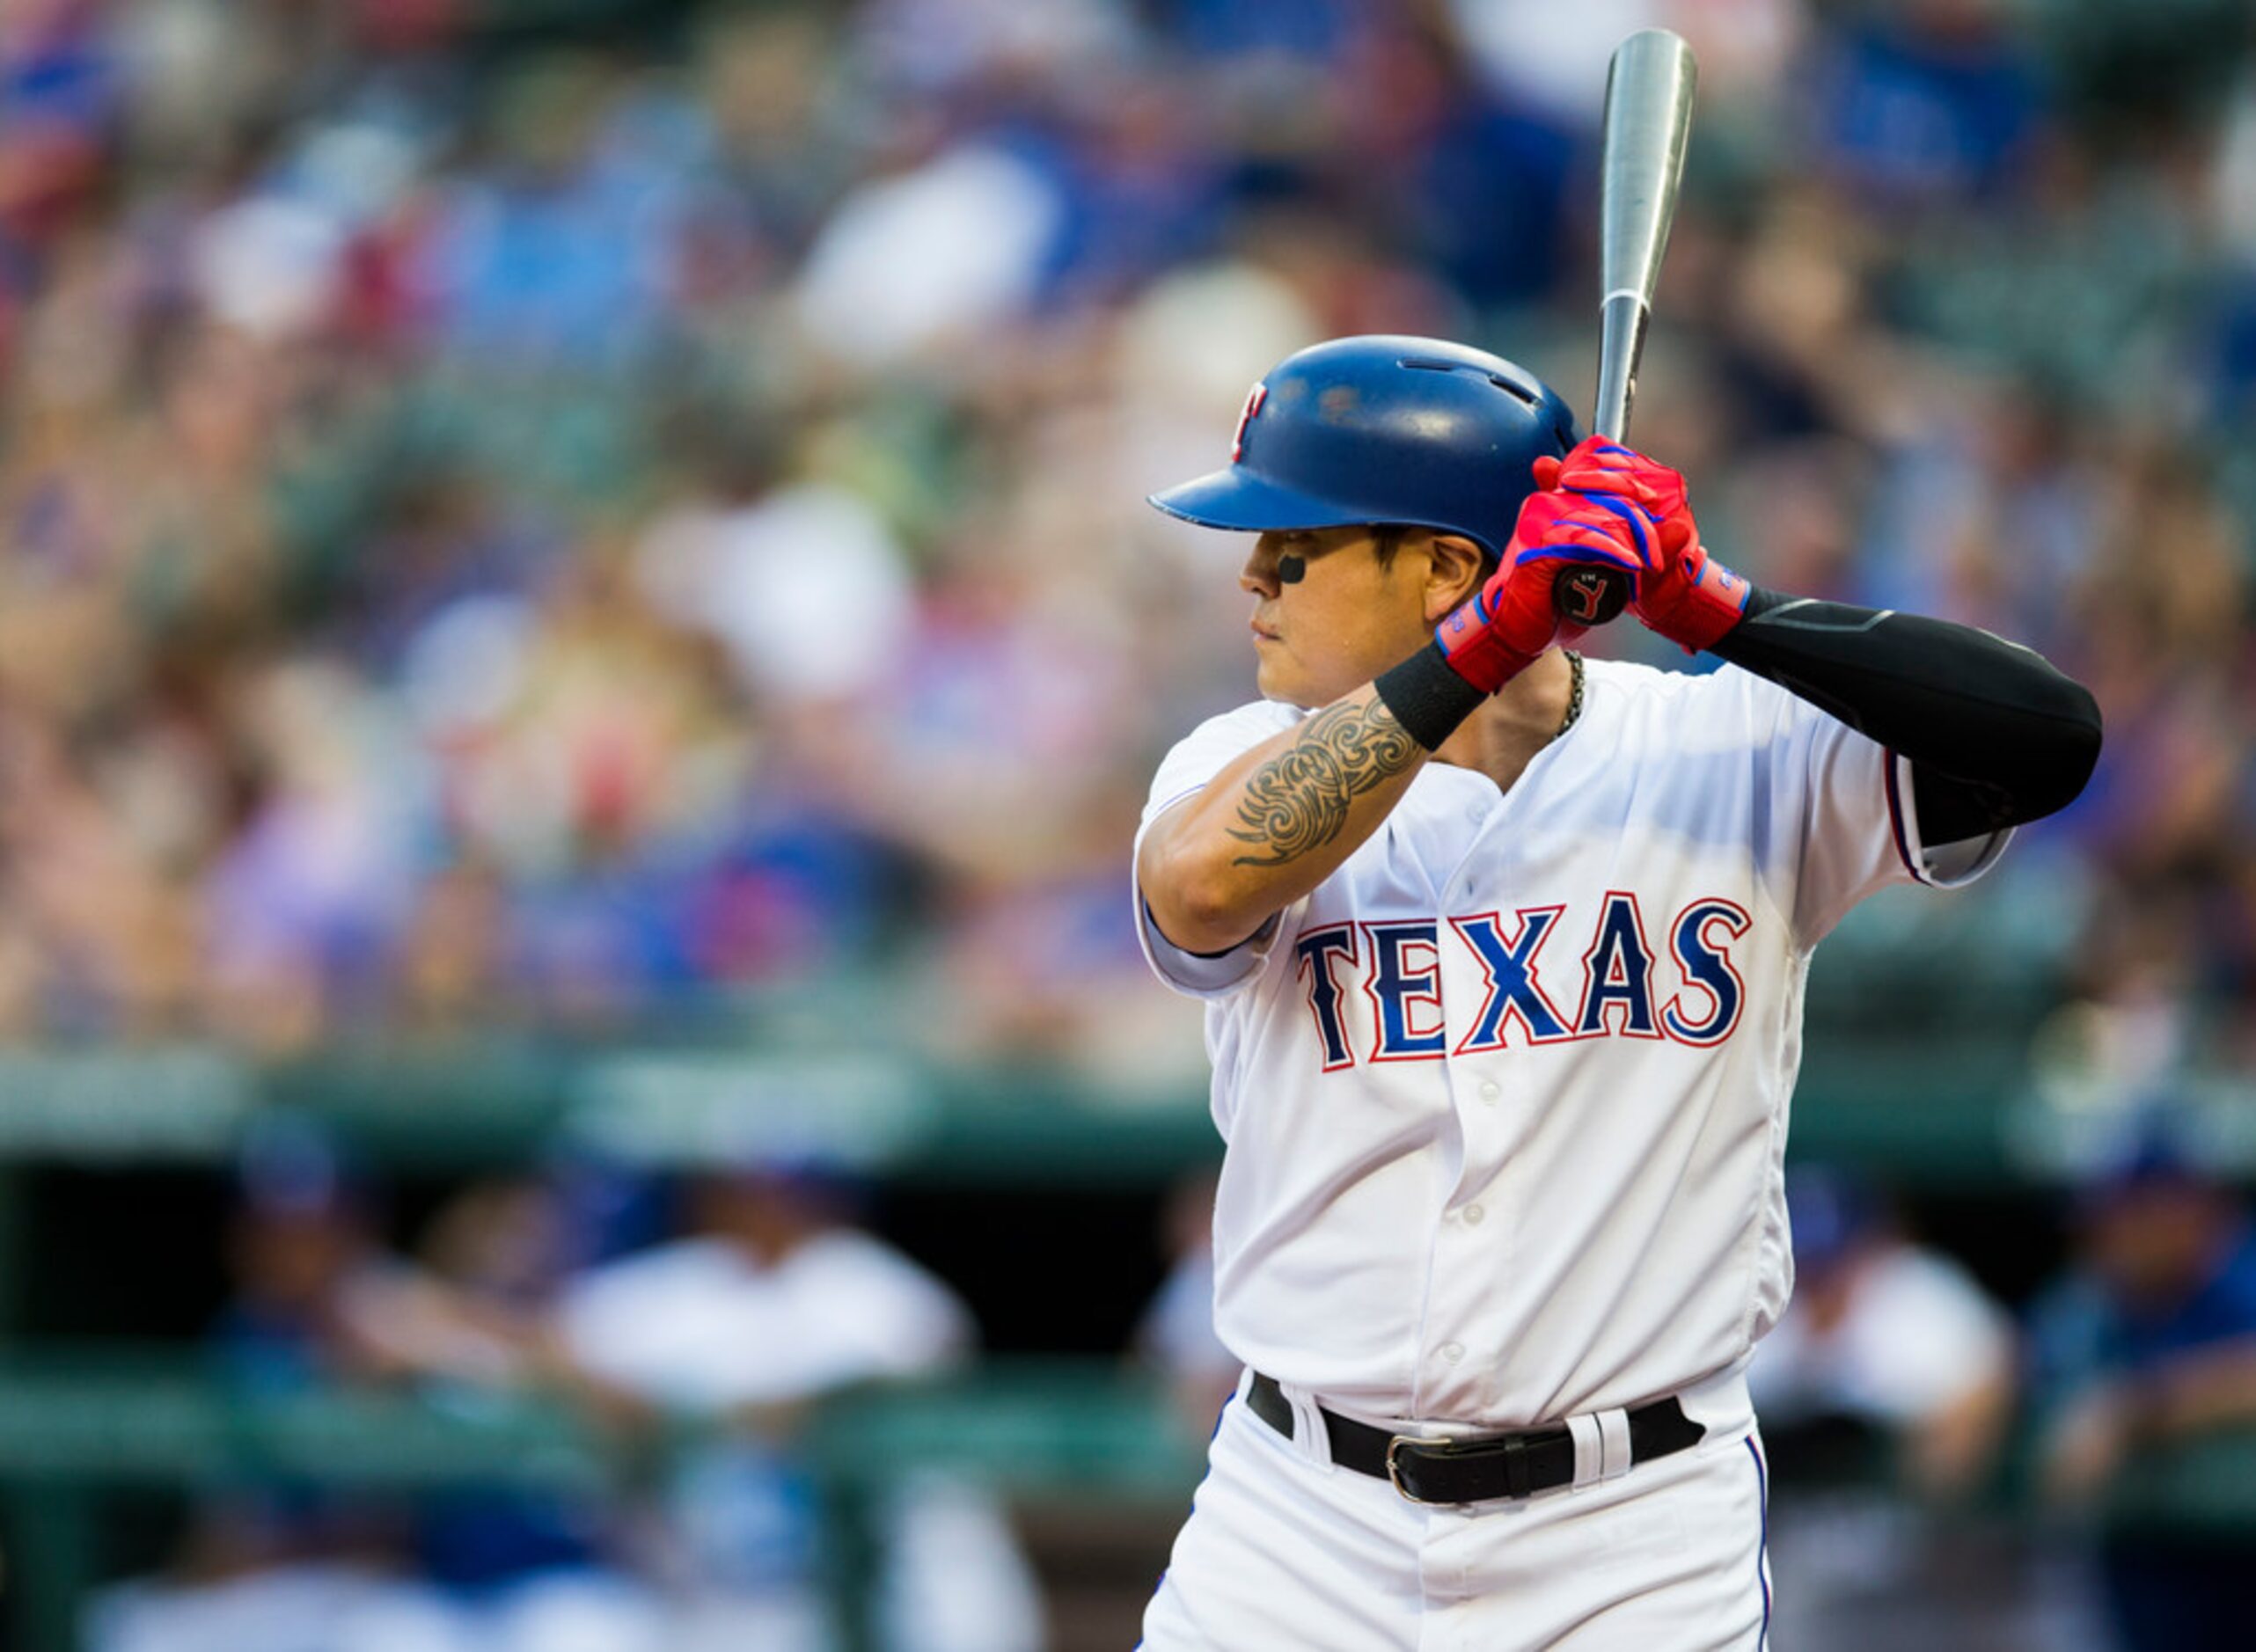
{"points": [[1621, 321], [1589, 596]]}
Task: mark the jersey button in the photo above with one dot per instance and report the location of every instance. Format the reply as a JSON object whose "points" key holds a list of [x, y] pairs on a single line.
{"points": [[1489, 1092], [1473, 1214], [1453, 1351]]}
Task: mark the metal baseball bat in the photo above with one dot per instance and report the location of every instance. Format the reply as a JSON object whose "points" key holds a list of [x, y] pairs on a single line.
{"points": [[1649, 92]]}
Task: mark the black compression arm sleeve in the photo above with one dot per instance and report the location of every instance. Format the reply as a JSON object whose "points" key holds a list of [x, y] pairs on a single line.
{"points": [[1996, 736]]}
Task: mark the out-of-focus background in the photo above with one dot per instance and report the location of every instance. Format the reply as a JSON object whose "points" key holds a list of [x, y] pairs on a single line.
{"points": [[580, 648]]}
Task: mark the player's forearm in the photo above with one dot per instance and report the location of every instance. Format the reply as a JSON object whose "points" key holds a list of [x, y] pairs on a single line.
{"points": [[1990, 715], [1276, 823]]}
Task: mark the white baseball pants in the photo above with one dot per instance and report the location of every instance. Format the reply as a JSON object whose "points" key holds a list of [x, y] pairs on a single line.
{"points": [[1284, 1551]]}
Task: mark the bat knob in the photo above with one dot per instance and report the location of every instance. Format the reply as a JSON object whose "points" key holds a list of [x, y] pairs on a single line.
{"points": [[1590, 596]]}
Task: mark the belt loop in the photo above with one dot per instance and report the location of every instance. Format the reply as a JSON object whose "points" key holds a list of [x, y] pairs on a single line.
{"points": [[1589, 1450], [1613, 1444], [1310, 1438]]}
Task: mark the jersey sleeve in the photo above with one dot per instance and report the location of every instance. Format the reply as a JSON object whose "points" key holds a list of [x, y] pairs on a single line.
{"points": [[1185, 771], [1843, 822]]}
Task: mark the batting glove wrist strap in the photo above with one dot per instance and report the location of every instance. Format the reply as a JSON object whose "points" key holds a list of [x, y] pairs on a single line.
{"points": [[1510, 621], [1695, 601], [1488, 648], [1428, 695]]}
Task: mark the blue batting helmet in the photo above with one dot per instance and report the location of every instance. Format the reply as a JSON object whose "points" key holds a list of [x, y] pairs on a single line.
{"points": [[1384, 430]]}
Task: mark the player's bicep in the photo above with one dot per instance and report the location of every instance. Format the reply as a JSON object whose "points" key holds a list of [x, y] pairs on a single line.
{"points": [[1167, 890], [1175, 849], [1202, 974], [1848, 821], [1863, 831], [1849, 828]]}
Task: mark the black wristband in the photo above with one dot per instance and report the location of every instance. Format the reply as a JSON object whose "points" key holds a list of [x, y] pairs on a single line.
{"points": [[1427, 698]]}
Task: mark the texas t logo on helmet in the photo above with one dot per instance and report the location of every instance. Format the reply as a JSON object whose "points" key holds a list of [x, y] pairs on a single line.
{"points": [[1255, 397]]}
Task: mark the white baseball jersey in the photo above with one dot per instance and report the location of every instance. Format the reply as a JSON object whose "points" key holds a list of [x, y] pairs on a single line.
{"points": [[1506, 1097]]}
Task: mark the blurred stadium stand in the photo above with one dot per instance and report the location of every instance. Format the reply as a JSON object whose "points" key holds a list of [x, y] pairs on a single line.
{"points": [[576, 602]]}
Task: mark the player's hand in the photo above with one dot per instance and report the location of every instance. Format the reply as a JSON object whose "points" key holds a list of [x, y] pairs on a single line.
{"points": [[1500, 631], [1599, 465], [1677, 590]]}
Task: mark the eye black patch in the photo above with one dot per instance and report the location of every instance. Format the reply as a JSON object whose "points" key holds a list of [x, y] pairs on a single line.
{"points": [[1292, 569]]}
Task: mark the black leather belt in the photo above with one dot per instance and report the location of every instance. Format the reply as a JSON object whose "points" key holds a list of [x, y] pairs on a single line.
{"points": [[1433, 1470]]}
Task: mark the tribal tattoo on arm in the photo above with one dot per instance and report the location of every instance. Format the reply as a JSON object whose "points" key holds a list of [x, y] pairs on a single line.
{"points": [[1300, 799]]}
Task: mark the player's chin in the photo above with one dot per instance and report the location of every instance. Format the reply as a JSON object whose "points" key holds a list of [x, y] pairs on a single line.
{"points": [[1273, 673]]}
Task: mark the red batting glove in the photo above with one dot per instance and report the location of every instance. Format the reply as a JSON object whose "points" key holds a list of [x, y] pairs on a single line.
{"points": [[1679, 590], [1499, 633], [1692, 599], [1597, 464]]}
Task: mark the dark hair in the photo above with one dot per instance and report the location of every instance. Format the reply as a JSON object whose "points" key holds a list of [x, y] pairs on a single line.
{"points": [[1387, 540]]}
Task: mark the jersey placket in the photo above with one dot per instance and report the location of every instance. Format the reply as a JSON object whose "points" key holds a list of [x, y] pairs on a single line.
{"points": [[1472, 1236]]}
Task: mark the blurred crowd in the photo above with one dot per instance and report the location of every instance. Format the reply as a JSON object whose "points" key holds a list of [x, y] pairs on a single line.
{"points": [[689, 1327], [521, 513], [1946, 1469], [570, 514], [1899, 1398]]}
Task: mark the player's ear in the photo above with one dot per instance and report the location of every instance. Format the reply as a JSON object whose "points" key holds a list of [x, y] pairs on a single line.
{"points": [[1454, 569]]}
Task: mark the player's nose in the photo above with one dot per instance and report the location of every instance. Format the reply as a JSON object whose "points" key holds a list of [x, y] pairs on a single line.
{"points": [[1258, 576]]}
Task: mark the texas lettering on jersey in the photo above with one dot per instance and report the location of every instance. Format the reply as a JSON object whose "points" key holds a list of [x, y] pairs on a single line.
{"points": [[1616, 989]]}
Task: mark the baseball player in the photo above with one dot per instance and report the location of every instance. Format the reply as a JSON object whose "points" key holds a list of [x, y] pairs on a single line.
{"points": [[1503, 953]]}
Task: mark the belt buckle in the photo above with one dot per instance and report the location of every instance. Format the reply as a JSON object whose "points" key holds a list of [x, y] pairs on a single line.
{"points": [[1394, 1444]]}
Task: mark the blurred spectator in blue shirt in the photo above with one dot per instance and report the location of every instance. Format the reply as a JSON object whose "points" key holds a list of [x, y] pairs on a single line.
{"points": [[272, 1562], [1929, 102], [304, 1259], [2148, 1346]]}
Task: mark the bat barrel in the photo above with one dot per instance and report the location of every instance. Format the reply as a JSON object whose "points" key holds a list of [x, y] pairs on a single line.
{"points": [[1649, 93]]}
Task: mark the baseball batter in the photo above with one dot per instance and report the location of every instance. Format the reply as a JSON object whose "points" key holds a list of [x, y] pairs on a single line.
{"points": [[1503, 953]]}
